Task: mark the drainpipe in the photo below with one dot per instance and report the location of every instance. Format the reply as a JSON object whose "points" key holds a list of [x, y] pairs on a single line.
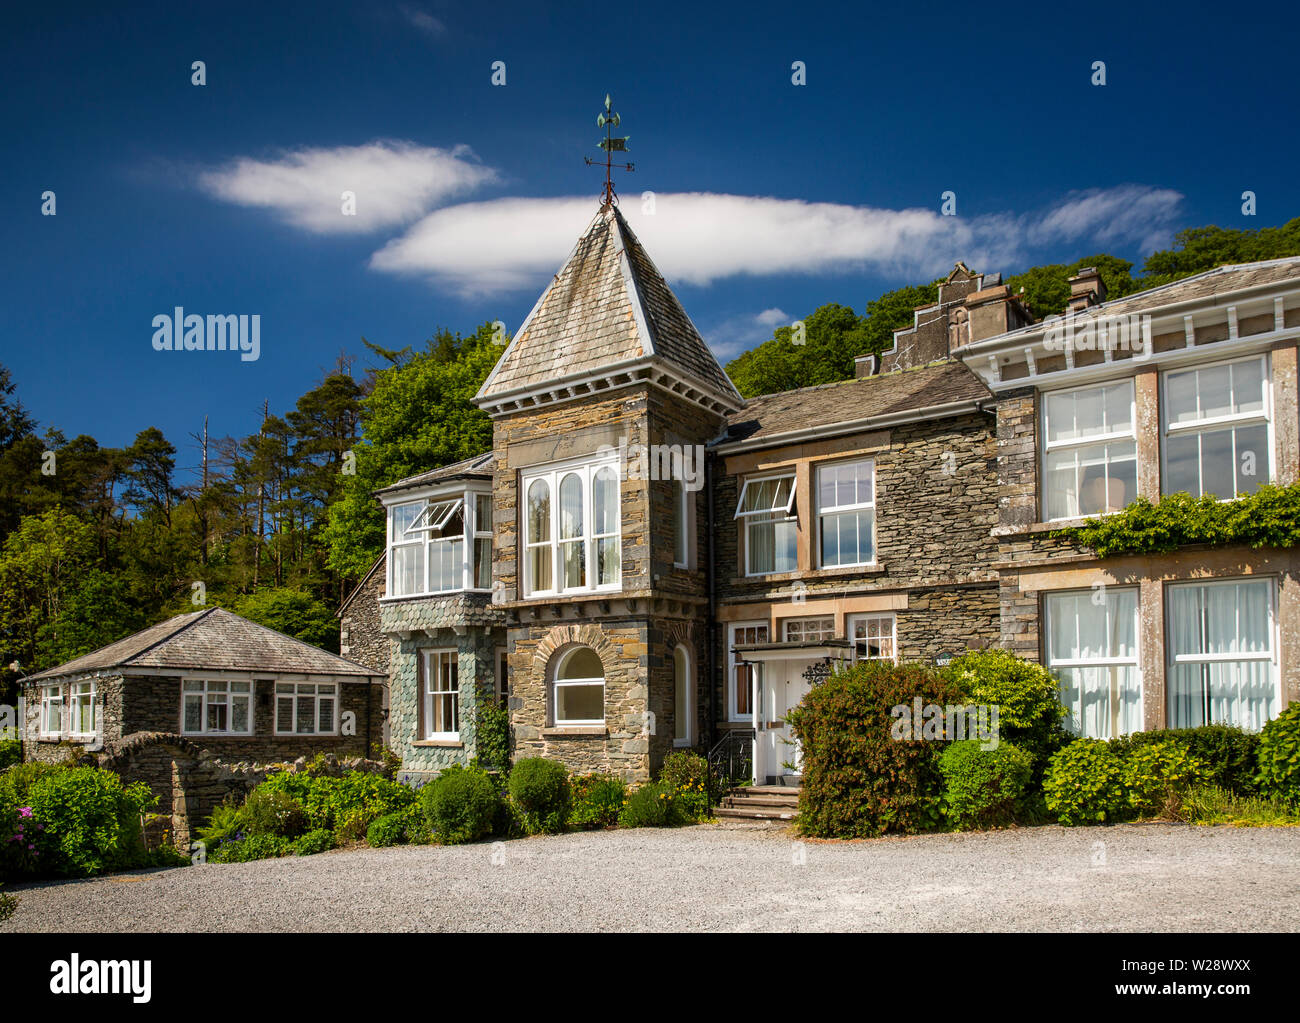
{"points": [[711, 575]]}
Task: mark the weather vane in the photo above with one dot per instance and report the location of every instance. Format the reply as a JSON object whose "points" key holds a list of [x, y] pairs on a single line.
{"points": [[611, 145]]}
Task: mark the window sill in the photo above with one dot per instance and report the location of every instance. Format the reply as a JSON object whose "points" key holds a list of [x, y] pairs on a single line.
{"points": [[434, 596], [438, 744], [561, 731], [875, 568], [298, 735]]}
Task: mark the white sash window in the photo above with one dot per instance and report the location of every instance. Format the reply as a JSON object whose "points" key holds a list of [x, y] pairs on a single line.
{"points": [[1090, 450], [1092, 646], [1216, 425], [766, 508]]}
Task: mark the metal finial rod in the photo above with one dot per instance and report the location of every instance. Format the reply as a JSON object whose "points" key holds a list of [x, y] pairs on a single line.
{"points": [[611, 144]]}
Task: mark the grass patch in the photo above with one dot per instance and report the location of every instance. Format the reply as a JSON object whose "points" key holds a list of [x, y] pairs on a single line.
{"points": [[1211, 804]]}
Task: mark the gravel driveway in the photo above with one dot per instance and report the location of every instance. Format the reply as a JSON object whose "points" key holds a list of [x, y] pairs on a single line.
{"points": [[721, 878]]}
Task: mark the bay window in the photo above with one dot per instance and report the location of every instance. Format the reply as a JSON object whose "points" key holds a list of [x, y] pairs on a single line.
{"points": [[572, 539], [846, 513], [1092, 647], [1223, 667], [428, 541], [766, 508], [305, 708], [1089, 450], [216, 708], [1216, 429]]}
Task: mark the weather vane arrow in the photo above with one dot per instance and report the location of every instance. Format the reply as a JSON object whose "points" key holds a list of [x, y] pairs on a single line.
{"points": [[611, 144]]}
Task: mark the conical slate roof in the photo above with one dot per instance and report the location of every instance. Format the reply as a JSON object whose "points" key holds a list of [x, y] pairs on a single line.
{"points": [[608, 312], [212, 639]]}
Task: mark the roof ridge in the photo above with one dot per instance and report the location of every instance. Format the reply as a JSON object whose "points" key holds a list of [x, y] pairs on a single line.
{"points": [[295, 639], [934, 364], [1199, 275], [196, 617]]}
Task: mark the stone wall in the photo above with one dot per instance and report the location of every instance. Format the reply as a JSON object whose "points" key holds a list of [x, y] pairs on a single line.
{"points": [[361, 635]]}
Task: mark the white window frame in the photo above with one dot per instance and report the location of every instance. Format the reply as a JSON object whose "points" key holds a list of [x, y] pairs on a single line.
{"points": [[1108, 438], [295, 694], [558, 683], [779, 513], [1134, 661], [802, 625], [821, 512], [433, 658], [76, 692], [1214, 423], [205, 693], [683, 524], [1271, 656], [477, 531], [687, 740], [553, 475], [850, 627], [52, 696], [436, 512], [732, 663]]}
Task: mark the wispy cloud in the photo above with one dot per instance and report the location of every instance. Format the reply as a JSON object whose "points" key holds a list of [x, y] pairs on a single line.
{"points": [[735, 334], [394, 183], [512, 244], [423, 21]]}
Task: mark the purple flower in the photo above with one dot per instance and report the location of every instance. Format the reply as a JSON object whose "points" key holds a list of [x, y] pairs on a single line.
{"points": [[24, 811]]}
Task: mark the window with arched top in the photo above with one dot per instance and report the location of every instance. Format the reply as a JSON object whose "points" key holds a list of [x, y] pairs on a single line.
{"points": [[683, 697], [578, 688], [574, 545], [538, 536]]}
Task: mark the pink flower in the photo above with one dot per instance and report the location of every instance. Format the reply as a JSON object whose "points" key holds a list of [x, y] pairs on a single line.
{"points": [[24, 811]]}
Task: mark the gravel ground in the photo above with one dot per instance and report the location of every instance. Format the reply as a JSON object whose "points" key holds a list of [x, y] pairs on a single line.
{"points": [[721, 878]]}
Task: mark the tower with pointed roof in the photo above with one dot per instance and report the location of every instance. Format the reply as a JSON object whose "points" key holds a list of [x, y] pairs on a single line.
{"points": [[602, 403]]}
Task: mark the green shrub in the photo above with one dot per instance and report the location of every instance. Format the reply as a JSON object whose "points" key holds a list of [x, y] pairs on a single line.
{"points": [[225, 824], [984, 788], [11, 752], [91, 820], [540, 789], [1228, 753], [166, 856], [1026, 694], [349, 804], [316, 841], [858, 780], [1156, 776], [689, 772], [597, 800], [270, 812], [1279, 756], [1084, 784], [460, 804], [16, 783], [389, 829], [1213, 804], [8, 904], [254, 847], [492, 736], [652, 806]]}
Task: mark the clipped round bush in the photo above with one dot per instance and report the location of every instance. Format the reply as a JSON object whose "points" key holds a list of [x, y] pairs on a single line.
{"points": [[1084, 784], [1025, 693], [859, 781], [1158, 775], [652, 806], [460, 805], [271, 812], [983, 787], [316, 841], [597, 800], [539, 788], [1279, 756]]}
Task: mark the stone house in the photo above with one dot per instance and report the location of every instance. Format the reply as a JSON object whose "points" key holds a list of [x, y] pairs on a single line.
{"points": [[1187, 387], [672, 566], [239, 690]]}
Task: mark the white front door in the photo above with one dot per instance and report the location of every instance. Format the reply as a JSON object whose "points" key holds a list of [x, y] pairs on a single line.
{"points": [[783, 687]]}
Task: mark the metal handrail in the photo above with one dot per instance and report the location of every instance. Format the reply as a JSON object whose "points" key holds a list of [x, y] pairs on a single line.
{"points": [[732, 757]]}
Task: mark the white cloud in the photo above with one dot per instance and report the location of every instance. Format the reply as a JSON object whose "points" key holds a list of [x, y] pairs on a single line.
{"points": [[394, 183], [423, 21], [507, 245]]}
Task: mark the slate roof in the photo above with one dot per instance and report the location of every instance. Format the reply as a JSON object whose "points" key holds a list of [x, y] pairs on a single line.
{"points": [[213, 639], [850, 401], [477, 467], [1220, 280], [607, 305]]}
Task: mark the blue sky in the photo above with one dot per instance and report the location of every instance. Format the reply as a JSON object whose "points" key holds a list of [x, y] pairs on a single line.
{"points": [[770, 198]]}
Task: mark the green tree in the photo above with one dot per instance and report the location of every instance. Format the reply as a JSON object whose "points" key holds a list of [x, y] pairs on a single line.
{"points": [[418, 416], [296, 613]]}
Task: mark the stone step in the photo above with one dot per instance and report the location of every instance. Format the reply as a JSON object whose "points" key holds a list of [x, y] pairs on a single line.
{"points": [[756, 813], [737, 800], [768, 790]]}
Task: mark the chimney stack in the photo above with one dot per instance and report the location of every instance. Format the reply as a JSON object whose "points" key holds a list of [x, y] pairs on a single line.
{"points": [[1086, 289]]}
